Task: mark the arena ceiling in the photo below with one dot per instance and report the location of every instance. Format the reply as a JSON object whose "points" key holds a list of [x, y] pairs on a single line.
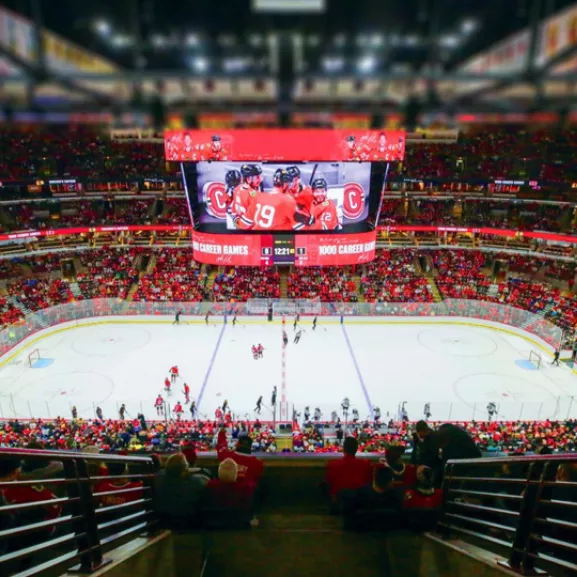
{"points": [[229, 37]]}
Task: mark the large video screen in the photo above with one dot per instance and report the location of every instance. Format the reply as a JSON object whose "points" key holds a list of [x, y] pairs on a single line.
{"points": [[297, 197]]}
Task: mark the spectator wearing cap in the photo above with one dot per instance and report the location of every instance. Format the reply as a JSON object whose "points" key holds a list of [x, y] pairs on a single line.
{"points": [[349, 472], [178, 492], [249, 467], [229, 498]]}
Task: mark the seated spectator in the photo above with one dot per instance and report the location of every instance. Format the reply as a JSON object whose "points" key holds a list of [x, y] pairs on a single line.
{"points": [[117, 469], [348, 472], [249, 467], [229, 499], [178, 492], [404, 476], [10, 471], [375, 505], [424, 495]]}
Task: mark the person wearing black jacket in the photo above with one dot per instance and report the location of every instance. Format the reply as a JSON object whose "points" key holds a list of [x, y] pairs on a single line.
{"points": [[456, 443], [425, 447]]}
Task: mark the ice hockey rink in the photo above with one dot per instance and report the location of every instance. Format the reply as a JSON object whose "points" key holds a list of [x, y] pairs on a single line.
{"points": [[455, 366]]}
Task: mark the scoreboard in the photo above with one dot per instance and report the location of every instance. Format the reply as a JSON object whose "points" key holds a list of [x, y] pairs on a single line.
{"points": [[300, 250]]}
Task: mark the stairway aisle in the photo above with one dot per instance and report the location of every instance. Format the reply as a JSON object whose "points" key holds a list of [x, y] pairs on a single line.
{"points": [[437, 297], [356, 278], [284, 272], [214, 272]]}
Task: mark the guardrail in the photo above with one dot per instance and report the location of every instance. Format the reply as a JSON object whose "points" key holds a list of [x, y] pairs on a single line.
{"points": [[524, 506], [63, 510]]}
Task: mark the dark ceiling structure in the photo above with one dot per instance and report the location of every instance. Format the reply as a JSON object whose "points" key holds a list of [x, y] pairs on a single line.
{"points": [[408, 41]]}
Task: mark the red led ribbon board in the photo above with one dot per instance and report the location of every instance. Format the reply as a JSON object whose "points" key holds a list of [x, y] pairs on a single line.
{"points": [[335, 249], [266, 250], [290, 145]]}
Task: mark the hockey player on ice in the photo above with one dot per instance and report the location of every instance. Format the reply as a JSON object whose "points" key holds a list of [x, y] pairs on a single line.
{"points": [[254, 350], [224, 406], [193, 410], [159, 405], [186, 392], [314, 323], [318, 415], [173, 373], [298, 336], [355, 415], [284, 338], [297, 319], [167, 386], [377, 414], [258, 405], [178, 410], [259, 350]]}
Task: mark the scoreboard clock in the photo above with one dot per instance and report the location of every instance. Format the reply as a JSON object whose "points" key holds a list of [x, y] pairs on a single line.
{"points": [[278, 249], [284, 248]]}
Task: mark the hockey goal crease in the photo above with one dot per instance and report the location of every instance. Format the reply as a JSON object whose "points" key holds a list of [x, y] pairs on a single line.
{"points": [[536, 359], [34, 357]]}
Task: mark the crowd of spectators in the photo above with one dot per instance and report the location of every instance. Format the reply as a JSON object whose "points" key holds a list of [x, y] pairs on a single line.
{"points": [[175, 212], [9, 314], [243, 283], [79, 152], [38, 294], [459, 273], [393, 277], [329, 284], [438, 212], [138, 435], [506, 153], [110, 273], [175, 277]]}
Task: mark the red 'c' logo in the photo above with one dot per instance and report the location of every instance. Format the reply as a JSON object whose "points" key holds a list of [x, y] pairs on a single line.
{"points": [[353, 200], [216, 199]]}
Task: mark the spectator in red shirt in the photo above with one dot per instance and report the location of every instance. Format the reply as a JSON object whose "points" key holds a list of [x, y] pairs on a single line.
{"points": [[229, 499], [10, 471], [424, 495], [117, 468], [348, 472], [249, 467]]}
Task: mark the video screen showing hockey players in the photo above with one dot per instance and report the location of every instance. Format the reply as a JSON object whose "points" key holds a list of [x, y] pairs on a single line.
{"points": [[259, 197]]}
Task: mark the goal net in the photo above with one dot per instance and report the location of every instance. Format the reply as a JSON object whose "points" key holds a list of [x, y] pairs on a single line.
{"points": [[536, 359], [34, 357]]}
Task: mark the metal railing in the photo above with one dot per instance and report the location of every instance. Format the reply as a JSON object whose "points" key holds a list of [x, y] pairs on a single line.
{"points": [[475, 309], [526, 507], [63, 509]]}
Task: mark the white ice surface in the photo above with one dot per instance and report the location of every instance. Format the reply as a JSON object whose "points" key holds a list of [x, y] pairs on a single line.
{"points": [[457, 369]]}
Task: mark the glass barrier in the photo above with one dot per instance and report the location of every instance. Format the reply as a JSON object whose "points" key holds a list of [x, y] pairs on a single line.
{"points": [[20, 406]]}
